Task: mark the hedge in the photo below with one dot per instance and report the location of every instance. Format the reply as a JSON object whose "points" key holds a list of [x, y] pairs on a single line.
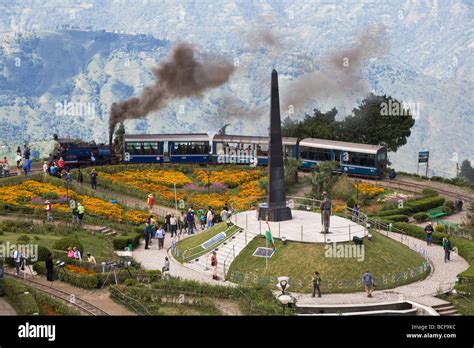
{"points": [[415, 206], [428, 192], [20, 297], [421, 216], [465, 247], [397, 218], [121, 242], [28, 301]]}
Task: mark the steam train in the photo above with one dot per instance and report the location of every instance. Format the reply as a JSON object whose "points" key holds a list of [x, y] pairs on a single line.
{"points": [[354, 159], [77, 153]]}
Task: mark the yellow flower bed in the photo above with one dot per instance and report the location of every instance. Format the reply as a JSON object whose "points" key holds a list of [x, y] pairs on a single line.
{"points": [[231, 178], [369, 190], [164, 177], [22, 194]]}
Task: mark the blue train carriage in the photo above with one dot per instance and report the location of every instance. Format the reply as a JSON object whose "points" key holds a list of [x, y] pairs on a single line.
{"points": [[354, 159], [245, 149], [162, 148]]}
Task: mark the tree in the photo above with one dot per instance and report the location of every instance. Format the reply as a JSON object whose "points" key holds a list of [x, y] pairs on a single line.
{"points": [[379, 120], [320, 125], [324, 177], [467, 171], [118, 141]]}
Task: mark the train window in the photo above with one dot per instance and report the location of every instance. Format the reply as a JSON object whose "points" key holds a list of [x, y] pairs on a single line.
{"points": [[133, 148], [315, 154], [219, 148], [262, 150], [150, 148], [382, 156], [358, 159], [191, 148]]}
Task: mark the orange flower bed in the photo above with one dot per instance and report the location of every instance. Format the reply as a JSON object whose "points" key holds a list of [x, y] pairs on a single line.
{"points": [[79, 270]]}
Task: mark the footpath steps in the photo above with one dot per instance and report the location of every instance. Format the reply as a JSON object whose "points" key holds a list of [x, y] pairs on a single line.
{"points": [[446, 310], [226, 253]]}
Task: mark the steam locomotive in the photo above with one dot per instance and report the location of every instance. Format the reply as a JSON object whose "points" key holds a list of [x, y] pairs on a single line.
{"points": [[77, 153]]}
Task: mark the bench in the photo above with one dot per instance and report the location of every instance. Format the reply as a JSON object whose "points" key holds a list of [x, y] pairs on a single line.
{"points": [[436, 212]]}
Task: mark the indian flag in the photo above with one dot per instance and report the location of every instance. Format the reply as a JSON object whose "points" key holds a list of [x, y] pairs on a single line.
{"points": [[268, 234]]}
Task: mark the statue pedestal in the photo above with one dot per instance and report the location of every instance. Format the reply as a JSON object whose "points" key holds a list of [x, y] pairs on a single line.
{"points": [[274, 214]]}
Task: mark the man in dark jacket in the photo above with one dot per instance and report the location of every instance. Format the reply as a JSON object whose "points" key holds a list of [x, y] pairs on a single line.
{"points": [[49, 268]]}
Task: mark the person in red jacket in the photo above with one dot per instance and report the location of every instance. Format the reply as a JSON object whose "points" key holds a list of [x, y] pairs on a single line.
{"points": [[61, 164], [49, 211], [214, 265], [150, 202]]}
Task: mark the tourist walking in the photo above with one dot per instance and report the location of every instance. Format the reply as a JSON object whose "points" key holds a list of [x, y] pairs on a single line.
{"points": [[17, 260], [316, 284], [18, 157], [429, 233], [150, 202], [45, 169], [49, 268], [160, 235], [80, 212], [49, 211], [225, 216], [190, 221], [181, 223], [27, 167], [93, 176], [355, 213], [209, 218], [447, 248], [368, 281], [214, 265], [80, 177], [74, 211], [167, 222], [146, 234], [174, 225]]}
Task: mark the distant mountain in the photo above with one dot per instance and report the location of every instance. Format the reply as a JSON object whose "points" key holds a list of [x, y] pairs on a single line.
{"points": [[61, 66]]}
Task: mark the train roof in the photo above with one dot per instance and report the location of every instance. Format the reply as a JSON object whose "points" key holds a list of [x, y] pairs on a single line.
{"points": [[226, 138], [167, 137], [340, 145]]}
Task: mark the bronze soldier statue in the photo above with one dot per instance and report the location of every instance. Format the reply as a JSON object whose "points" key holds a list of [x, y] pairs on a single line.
{"points": [[325, 212]]}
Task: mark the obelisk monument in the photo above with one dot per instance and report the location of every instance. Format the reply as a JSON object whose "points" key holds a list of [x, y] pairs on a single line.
{"points": [[276, 208]]}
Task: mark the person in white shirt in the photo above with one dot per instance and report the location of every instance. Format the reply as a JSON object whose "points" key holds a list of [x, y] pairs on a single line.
{"points": [[45, 168], [160, 235], [17, 260], [77, 254], [174, 225], [209, 218]]}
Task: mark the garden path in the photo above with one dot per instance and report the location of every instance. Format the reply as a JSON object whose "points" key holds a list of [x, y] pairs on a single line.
{"points": [[6, 308]]}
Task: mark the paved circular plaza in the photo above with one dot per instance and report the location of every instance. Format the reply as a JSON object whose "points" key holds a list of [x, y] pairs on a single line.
{"points": [[304, 227]]}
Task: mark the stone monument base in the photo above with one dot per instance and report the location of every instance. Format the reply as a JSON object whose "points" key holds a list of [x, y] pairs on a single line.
{"points": [[274, 214]]}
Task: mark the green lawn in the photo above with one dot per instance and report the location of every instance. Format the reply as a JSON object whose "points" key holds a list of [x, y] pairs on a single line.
{"points": [[383, 256], [96, 245], [196, 240]]}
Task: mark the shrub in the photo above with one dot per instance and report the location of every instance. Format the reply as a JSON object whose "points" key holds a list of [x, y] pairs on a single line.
{"points": [[51, 306], [85, 281], [427, 192], [342, 189], [23, 239], [122, 242], [448, 207], [69, 241], [351, 202], [420, 217], [439, 228], [397, 218]]}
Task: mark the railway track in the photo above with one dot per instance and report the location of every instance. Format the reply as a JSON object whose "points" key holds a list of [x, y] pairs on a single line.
{"points": [[418, 188], [83, 306]]}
